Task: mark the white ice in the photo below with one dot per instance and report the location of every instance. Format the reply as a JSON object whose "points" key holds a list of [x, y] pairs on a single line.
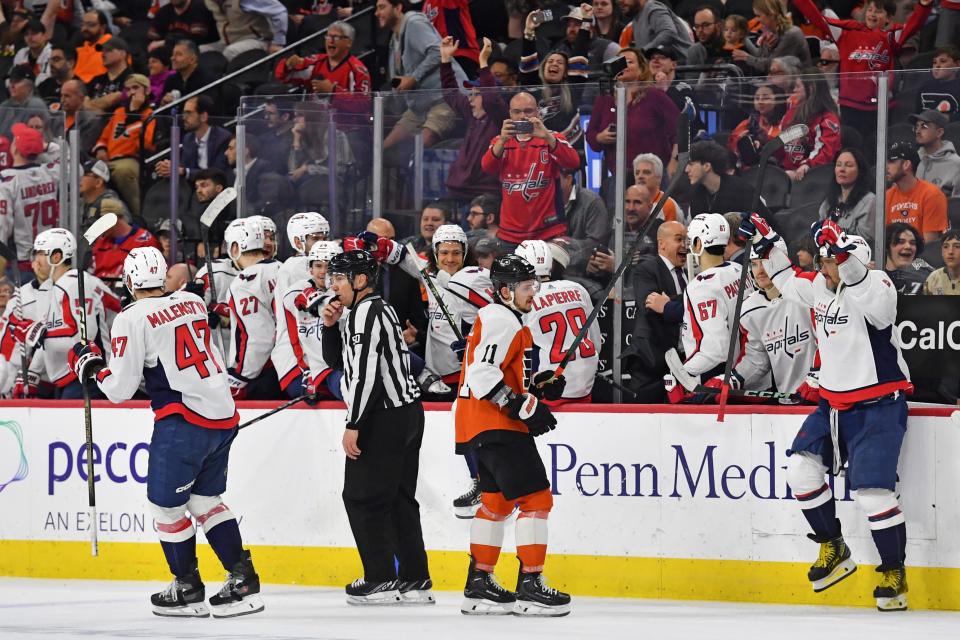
{"points": [[59, 610]]}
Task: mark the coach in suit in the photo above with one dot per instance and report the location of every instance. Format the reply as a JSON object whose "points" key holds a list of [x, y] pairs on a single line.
{"points": [[658, 283], [204, 146]]}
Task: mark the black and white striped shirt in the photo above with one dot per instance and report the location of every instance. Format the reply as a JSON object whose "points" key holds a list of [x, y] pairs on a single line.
{"points": [[369, 347]]}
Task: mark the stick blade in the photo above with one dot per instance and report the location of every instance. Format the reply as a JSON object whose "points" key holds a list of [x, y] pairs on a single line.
{"points": [[217, 205], [99, 227]]}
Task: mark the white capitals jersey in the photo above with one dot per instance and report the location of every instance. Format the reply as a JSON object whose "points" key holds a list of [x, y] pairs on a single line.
{"points": [[464, 294], [29, 204], [30, 303], [252, 318], [63, 325], [780, 343], [308, 330], [559, 311], [166, 342], [287, 355], [223, 274], [860, 355], [709, 303]]}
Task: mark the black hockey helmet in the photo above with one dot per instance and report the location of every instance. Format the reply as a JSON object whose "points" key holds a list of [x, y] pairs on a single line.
{"points": [[509, 270], [353, 263]]}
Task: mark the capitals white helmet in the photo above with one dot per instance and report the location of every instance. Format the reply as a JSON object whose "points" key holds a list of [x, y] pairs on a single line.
{"points": [[300, 225], [324, 250], [449, 233], [537, 253], [53, 239], [860, 250], [712, 229], [144, 268], [269, 226], [246, 233]]}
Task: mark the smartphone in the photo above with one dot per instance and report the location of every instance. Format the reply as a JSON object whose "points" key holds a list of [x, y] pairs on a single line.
{"points": [[395, 82], [613, 128], [522, 126], [539, 17]]}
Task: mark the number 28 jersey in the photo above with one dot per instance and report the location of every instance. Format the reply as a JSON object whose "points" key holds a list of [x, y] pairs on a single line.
{"points": [[559, 311], [166, 342]]}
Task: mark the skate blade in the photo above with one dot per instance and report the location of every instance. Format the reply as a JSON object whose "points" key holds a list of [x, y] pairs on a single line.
{"points": [[843, 570], [896, 603], [383, 599], [423, 597], [250, 604], [528, 608], [481, 607], [196, 610], [466, 513]]}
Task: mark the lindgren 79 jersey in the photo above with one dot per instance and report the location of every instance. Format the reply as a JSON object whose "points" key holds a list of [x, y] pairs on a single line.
{"points": [[166, 342], [29, 204]]}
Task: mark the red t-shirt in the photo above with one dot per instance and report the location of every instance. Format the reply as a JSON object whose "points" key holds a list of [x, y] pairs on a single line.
{"points": [[109, 253]]}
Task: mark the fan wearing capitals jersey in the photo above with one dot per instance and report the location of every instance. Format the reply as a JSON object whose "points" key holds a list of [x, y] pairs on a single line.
{"points": [[252, 317], [862, 416], [866, 47], [709, 303], [164, 339], [558, 312]]}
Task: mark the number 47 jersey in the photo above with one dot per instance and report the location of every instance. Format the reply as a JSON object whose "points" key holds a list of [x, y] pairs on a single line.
{"points": [[166, 342], [559, 311]]}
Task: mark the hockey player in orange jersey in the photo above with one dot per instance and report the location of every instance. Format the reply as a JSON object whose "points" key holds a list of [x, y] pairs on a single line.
{"points": [[498, 413]]}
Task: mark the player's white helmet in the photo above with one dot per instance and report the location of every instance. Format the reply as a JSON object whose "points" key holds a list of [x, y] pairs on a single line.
{"points": [[144, 268], [300, 225], [53, 239], [324, 250], [861, 249], [246, 233], [449, 233], [712, 230], [269, 226], [537, 253]]}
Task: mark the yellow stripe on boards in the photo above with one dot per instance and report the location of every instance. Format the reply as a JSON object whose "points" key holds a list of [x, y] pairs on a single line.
{"points": [[667, 578]]}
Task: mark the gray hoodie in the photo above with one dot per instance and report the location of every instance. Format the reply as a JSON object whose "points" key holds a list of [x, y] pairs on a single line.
{"points": [[415, 51], [941, 168], [657, 26], [859, 219]]}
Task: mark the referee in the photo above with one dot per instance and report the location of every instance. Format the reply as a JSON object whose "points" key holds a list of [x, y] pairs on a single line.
{"points": [[362, 335]]}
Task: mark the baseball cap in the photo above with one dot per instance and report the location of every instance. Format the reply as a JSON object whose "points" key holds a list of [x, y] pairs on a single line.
{"points": [[165, 227], [138, 78], [667, 52], [116, 43], [21, 72], [29, 141], [487, 245], [932, 116], [902, 150], [574, 14], [98, 168]]}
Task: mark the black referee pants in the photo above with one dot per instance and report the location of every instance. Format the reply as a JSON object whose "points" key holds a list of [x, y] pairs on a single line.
{"points": [[379, 493]]}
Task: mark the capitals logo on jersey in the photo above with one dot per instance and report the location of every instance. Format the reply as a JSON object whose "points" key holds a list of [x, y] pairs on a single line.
{"points": [[532, 184], [877, 58], [789, 340]]}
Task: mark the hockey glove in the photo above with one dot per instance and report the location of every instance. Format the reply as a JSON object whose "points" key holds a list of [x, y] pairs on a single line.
{"points": [[195, 287], [309, 301], [431, 383], [458, 347], [238, 385], [531, 412], [675, 391], [809, 389], [30, 334], [754, 226], [716, 382], [85, 359], [219, 315], [29, 389], [829, 234], [547, 387], [310, 385]]}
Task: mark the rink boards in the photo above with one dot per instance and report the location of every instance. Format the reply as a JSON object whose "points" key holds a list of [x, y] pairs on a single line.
{"points": [[647, 503]]}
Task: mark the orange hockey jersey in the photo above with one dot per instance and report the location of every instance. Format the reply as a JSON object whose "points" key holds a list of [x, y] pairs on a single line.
{"points": [[499, 349]]}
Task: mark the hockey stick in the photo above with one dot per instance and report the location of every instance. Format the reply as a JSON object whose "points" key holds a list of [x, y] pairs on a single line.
{"points": [[692, 383], [425, 276], [97, 229], [683, 130], [790, 134], [209, 216], [288, 403], [11, 257]]}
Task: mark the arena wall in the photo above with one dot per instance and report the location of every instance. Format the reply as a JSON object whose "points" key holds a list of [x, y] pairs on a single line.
{"points": [[648, 503]]}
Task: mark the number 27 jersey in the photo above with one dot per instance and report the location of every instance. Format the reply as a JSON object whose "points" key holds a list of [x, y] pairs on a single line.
{"points": [[166, 341]]}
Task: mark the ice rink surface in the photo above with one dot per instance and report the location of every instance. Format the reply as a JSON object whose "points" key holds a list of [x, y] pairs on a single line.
{"points": [[89, 609]]}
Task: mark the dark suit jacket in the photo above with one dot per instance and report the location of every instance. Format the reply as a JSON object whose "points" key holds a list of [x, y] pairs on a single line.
{"points": [[402, 291], [217, 143], [653, 333]]}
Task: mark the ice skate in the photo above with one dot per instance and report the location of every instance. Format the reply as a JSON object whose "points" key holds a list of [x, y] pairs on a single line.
{"points": [[239, 595], [536, 598], [184, 598], [891, 593], [465, 507], [361, 592], [416, 592], [484, 596], [833, 565]]}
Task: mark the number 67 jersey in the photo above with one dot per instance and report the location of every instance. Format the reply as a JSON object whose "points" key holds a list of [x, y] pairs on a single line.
{"points": [[166, 341], [559, 311]]}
